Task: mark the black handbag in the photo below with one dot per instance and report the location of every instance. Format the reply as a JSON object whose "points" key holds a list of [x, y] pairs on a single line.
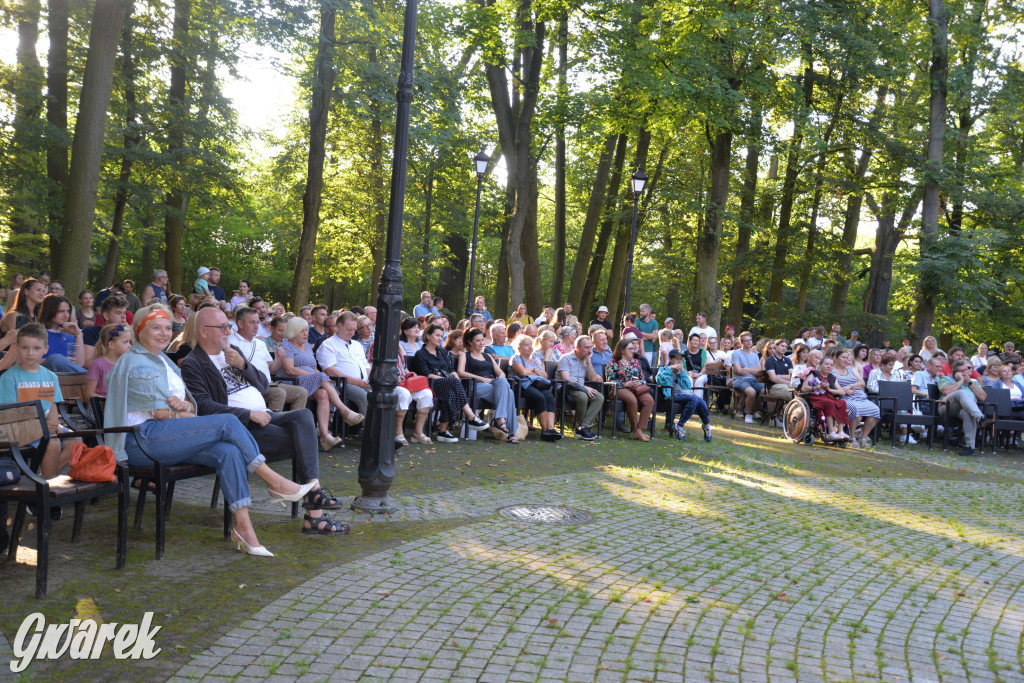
{"points": [[541, 383]]}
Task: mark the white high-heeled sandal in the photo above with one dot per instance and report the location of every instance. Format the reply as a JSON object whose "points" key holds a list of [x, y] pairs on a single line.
{"points": [[256, 551], [282, 498]]}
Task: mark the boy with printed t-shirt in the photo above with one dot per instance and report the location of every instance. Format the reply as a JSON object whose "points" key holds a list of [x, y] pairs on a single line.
{"points": [[29, 381]]}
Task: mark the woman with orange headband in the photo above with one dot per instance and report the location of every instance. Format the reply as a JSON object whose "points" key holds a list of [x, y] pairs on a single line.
{"points": [[145, 389]]}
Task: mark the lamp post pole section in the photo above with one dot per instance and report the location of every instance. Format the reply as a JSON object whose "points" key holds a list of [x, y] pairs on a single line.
{"points": [[481, 160], [377, 455], [636, 182]]}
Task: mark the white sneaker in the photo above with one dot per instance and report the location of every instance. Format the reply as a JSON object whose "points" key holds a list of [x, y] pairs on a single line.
{"points": [[749, 419], [910, 440]]}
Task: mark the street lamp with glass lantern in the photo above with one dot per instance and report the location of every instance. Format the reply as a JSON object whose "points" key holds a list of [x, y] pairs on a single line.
{"points": [[636, 184], [481, 160]]}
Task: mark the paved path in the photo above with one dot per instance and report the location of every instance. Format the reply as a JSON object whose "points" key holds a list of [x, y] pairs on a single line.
{"points": [[695, 574]]}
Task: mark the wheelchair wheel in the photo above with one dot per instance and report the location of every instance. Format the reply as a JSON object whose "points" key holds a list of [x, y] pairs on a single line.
{"points": [[796, 420], [809, 439], [843, 444]]}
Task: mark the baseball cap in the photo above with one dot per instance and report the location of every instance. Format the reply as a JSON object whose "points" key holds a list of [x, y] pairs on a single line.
{"points": [[629, 336], [855, 332], [203, 270], [673, 320], [675, 353], [601, 309]]}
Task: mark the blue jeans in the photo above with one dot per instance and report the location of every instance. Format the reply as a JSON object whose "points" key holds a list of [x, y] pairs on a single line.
{"points": [[216, 441], [690, 404], [59, 363], [499, 394]]}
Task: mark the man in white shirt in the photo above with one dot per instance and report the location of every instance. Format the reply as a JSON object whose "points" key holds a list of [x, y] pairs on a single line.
{"points": [[702, 327], [341, 356], [255, 352]]}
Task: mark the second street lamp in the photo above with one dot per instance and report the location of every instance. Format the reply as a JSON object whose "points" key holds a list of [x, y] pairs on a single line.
{"points": [[636, 183], [481, 160]]}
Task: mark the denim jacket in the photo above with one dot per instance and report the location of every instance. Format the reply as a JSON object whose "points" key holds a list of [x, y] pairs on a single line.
{"points": [[673, 382], [139, 380]]}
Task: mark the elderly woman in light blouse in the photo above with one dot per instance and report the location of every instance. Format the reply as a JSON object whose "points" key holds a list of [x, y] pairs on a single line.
{"points": [[298, 361], [145, 389], [533, 374]]}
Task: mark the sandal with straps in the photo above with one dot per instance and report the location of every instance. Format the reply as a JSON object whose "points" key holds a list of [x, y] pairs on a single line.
{"points": [[321, 499], [324, 526]]}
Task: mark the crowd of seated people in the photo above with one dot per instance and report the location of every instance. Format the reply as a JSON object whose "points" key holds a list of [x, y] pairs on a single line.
{"points": [[522, 368]]}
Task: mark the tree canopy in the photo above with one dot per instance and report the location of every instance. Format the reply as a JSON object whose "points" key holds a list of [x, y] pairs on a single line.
{"points": [[809, 161]]}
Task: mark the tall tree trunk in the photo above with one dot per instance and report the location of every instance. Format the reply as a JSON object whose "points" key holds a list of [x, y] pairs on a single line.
{"points": [[323, 83], [87, 150], [131, 140], [147, 248], [558, 269], [793, 167], [530, 248], [57, 118], [428, 209], [176, 199], [597, 263], [706, 289], [748, 215], [617, 277], [586, 247], [938, 20], [21, 249], [501, 290], [451, 284], [851, 220], [819, 182], [514, 111], [888, 236]]}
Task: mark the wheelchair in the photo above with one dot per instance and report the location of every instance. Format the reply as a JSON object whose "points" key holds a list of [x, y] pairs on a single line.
{"points": [[801, 422]]}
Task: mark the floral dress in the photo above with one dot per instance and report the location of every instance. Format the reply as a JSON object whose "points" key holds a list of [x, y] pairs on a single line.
{"points": [[304, 360], [622, 371]]}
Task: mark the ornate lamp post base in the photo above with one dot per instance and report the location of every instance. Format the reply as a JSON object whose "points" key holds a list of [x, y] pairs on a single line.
{"points": [[373, 505]]}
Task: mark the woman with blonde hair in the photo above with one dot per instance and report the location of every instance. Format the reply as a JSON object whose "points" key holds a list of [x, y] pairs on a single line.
{"points": [[183, 344], [544, 347], [928, 348], [299, 362]]}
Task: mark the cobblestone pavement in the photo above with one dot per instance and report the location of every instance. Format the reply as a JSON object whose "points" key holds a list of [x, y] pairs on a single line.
{"points": [[699, 573]]}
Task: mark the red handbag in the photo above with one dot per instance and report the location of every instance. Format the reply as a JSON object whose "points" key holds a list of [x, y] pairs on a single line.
{"points": [[414, 384]]}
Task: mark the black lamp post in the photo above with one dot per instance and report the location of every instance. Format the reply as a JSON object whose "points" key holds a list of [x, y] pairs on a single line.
{"points": [[377, 455], [636, 183], [481, 160]]}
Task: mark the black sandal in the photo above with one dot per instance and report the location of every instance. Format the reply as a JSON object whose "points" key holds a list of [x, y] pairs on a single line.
{"points": [[324, 526], [499, 427], [321, 499]]}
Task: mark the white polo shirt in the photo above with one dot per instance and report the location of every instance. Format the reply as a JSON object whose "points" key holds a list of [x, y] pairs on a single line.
{"points": [[347, 357], [255, 353]]}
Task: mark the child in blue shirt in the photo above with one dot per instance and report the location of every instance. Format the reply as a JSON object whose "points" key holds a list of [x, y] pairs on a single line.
{"points": [[29, 381]]}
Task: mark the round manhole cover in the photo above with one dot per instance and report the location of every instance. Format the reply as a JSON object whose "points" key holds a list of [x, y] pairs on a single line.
{"points": [[545, 514]]}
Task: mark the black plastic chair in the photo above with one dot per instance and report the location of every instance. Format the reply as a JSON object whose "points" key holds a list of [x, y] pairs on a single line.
{"points": [[1007, 421], [25, 423], [896, 401]]}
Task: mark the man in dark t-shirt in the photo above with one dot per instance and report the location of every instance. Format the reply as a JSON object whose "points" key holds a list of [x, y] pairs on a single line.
{"points": [[779, 369], [694, 358], [602, 318]]}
